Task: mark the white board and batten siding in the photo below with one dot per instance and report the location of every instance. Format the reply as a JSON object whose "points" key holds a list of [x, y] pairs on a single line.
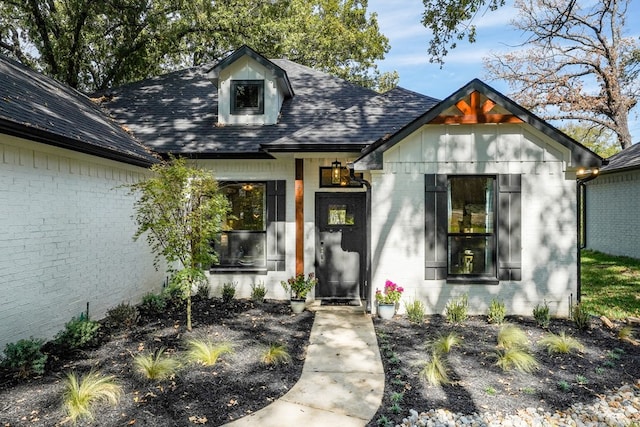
{"points": [[549, 254], [66, 232]]}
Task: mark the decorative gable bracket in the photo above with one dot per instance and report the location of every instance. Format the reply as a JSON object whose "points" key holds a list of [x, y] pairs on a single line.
{"points": [[475, 111]]}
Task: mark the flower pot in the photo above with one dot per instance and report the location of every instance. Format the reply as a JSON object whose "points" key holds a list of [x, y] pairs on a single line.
{"points": [[386, 311], [297, 305]]}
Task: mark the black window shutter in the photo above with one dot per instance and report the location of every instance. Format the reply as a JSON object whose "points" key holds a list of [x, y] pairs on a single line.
{"points": [[276, 225], [435, 229], [509, 227]]}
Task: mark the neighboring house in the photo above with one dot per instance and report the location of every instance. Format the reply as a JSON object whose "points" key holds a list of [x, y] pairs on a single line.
{"points": [[65, 223], [473, 194], [612, 202]]}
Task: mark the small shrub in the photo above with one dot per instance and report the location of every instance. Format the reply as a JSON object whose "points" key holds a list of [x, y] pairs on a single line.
{"points": [[581, 318], [258, 292], [541, 315], [490, 391], [511, 336], [204, 290], [497, 312], [25, 356], [456, 309], [395, 408], [560, 343], [78, 333], [174, 293], [228, 291], [153, 303], [206, 352], [582, 380], [415, 311], [564, 386], [529, 390], [445, 343], [80, 395], [396, 397], [435, 370], [122, 316], [626, 333], [275, 354], [518, 359], [383, 421], [155, 366]]}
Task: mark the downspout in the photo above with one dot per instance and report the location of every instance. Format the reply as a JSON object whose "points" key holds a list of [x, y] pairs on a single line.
{"points": [[367, 249], [581, 208]]}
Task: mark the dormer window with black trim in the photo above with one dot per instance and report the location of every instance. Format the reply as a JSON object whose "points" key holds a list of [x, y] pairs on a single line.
{"points": [[247, 97]]}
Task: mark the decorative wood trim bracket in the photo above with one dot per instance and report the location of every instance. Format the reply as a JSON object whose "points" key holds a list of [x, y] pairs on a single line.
{"points": [[475, 113]]}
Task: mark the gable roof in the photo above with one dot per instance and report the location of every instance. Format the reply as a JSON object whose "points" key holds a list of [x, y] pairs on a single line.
{"points": [[629, 158], [38, 108], [281, 75], [371, 157], [177, 113]]}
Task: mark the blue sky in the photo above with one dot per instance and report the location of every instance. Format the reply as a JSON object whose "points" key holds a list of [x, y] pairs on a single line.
{"points": [[399, 20]]}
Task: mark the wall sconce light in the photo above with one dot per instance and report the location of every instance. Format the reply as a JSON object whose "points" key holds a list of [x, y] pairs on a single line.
{"points": [[336, 170], [586, 175]]}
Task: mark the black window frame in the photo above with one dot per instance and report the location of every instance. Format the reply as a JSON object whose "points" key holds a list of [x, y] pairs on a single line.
{"points": [[259, 109], [275, 200]]}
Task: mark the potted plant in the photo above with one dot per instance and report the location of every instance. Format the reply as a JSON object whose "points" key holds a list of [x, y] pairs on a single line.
{"points": [[389, 299], [298, 287]]}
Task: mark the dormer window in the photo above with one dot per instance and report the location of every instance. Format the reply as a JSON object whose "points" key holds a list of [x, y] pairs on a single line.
{"points": [[247, 97]]}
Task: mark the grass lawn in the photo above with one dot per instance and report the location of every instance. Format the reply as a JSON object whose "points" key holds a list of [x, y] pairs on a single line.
{"points": [[610, 285]]}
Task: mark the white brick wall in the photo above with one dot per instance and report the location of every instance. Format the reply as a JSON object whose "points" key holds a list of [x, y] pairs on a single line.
{"points": [[65, 239], [613, 204]]}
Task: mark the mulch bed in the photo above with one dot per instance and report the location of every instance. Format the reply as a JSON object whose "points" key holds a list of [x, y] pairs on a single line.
{"points": [[480, 386], [237, 385]]}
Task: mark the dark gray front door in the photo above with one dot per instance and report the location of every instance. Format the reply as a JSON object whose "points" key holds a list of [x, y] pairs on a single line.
{"points": [[340, 245]]}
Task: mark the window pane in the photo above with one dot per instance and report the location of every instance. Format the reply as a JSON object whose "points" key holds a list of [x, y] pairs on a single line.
{"points": [[248, 207], [471, 255], [340, 215], [471, 205], [241, 249], [247, 96]]}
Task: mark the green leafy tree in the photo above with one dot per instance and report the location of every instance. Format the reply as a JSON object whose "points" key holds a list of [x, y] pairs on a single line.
{"points": [[93, 45], [598, 140], [180, 210]]}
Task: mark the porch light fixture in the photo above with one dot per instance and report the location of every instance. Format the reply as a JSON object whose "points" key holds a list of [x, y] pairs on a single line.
{"points": [[585, 175], [336, 171]]}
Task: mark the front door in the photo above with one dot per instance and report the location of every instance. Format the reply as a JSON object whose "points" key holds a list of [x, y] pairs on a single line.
{"points": [[340, 245]]}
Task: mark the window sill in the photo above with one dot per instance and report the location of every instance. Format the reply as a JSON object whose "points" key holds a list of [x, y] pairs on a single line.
{"points": [[224, 270], [473, 281]]}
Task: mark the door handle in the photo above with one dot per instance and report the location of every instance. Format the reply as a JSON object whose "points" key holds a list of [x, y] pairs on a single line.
{"points": [[321, 251]]}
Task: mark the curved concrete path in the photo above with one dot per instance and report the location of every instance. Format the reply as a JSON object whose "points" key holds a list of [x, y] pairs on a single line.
{"points": [[342, 380]]}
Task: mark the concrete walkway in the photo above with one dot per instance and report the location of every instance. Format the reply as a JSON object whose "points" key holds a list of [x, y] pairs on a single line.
{"points": [[342, 379]]}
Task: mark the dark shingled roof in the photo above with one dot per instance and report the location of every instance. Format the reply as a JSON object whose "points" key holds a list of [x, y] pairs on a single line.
{"points": [[177, 113], [629, 158], [38, 108]]}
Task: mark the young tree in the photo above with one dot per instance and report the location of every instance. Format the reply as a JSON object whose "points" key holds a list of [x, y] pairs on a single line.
{"points": [[93, 45], [575, 65], [598, 140], [180, 210]]}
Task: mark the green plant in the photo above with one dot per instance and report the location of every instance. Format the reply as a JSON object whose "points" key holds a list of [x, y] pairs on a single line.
{"points": [[228, 291], [528, 390], [435, 370], [444, 343], [178, 209], [599, 370], [626, 333], [490, 391], [581, 318], [541, 315], [516, 358], [383, 421], [299, 285], [122, 316], [395, 408], [206, 352], [511, 336], [78, 333], [582, 380], [81, 394], [258, 292], [396, 397], [153, 303], [155, 366], [564, 386], [25, 356], [497, 312], [204, 290], [615, 353], [391, 294], [415, 311], [457, 308], [275, 354], [560, 343]]}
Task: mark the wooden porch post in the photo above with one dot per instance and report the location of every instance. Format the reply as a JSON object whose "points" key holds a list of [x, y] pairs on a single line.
{"points": [[299, 195]]}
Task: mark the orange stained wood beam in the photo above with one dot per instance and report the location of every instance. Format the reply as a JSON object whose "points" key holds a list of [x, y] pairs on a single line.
{"points": [[299, 202], [475, 112]]}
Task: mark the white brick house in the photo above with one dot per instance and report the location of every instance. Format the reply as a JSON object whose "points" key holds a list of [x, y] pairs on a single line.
{"points": [[612, 203], [472, 194]]}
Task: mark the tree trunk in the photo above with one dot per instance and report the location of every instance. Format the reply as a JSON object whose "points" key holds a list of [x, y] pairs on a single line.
{"points": [[189, 307]]}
